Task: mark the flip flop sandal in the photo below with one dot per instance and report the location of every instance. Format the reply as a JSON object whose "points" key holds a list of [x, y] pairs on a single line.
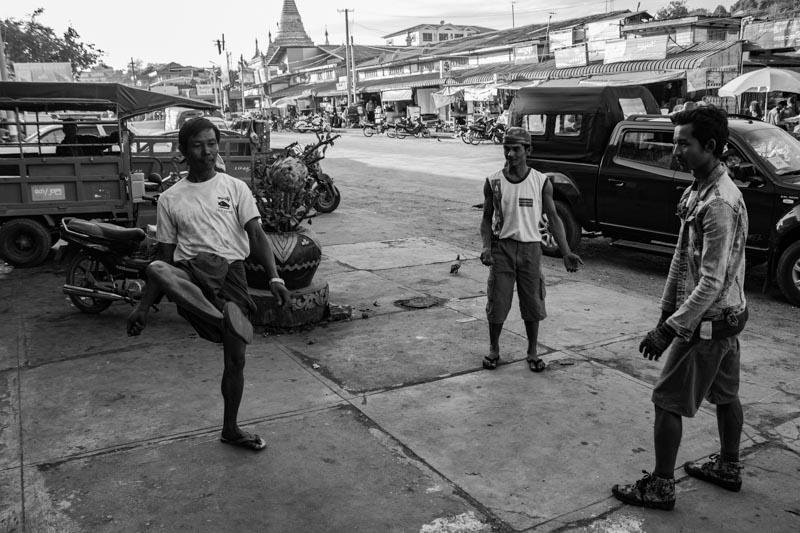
{"points": [[490, 363], [250, 442], [537, 365]]}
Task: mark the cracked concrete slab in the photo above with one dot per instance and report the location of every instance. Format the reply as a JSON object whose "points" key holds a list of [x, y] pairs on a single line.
{"points": [[145, 392], [324, 471], [577, 314], [382, 255], [519, 443], [367, 293], [401, 348], [764, 504], [11, 499], [436, 279], [9, 421], [347, 227]]}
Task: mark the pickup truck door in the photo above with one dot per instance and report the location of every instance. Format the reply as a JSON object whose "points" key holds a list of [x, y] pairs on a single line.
{"points": [[635, 178], [758, 192]]}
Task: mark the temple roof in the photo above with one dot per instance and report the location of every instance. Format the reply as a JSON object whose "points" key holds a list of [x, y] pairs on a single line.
{"points": [[291, 31]]}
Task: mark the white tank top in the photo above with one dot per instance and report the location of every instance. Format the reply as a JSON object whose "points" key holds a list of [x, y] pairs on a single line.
{"points": [[520, 206]]}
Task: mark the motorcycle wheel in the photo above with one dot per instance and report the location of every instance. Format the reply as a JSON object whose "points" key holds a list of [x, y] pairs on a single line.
{"points": [[425, 133], [329, 197], [464, 137], [474, 138], [497, 138], [301, 128], [401, 133], [87, 271], [391, 132], [368, 131]]}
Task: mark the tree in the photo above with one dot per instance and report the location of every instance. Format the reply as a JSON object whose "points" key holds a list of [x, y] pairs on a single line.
{"points": [[766, 8], [675, 9], [720, 11], [29, 41]]}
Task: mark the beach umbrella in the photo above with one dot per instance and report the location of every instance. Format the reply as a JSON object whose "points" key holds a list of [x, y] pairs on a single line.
{"points": [[764, 80]]}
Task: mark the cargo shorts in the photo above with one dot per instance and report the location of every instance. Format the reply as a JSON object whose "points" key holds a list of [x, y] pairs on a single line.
{"points": [[517, 263]]}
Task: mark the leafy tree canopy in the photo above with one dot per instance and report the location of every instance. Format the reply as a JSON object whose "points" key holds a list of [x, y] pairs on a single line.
{"points": [[675, 9], [29, 41], [766, 8]]}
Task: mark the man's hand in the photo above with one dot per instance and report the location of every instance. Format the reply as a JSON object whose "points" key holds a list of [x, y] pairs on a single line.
{"points": [[486, 256], [656, 341], [136, 321], [281, 293], [572, 262]]}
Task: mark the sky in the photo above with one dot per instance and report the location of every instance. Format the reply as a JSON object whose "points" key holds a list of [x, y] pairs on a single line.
{"points": [[160, 31]]}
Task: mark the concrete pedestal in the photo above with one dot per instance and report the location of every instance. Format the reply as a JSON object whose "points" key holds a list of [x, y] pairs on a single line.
{"points": [[308, 306]]}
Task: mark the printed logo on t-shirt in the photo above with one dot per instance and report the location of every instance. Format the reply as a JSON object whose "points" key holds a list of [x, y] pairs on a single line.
{"points": [[526, 202], [223, 203]]}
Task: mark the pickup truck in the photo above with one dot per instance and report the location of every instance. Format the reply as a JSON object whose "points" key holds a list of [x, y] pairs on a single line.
{"points": [[626, 185]]}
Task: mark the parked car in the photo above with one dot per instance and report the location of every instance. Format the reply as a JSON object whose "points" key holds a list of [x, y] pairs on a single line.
{"points": [[614, 173]]}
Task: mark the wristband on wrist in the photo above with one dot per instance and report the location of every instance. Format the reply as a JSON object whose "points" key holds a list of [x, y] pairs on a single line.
{"points": [[277, 280]]}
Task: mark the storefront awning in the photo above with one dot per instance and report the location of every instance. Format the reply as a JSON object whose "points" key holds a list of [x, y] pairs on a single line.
{"points": [[396, 95], [480, 93], [634, 78], [284, 102], [520, 84]]}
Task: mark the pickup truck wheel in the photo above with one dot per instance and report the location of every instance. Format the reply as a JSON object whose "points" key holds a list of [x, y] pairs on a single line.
{"points": [[571, 227], [24, 242], [788, 273]]}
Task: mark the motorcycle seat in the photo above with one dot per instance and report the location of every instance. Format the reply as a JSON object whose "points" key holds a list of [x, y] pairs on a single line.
{"points": [[104, 230]]}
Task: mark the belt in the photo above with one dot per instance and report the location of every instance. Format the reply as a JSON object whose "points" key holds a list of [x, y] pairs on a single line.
{"points": [[729, 325]]}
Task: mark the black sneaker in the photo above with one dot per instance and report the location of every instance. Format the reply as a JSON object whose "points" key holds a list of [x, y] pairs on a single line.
{"points": [[726, 474], [651, 491]]}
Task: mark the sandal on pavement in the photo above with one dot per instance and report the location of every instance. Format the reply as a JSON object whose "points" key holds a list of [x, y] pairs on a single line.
{"points": [[248, 441], [490, 363], [536, 365]]}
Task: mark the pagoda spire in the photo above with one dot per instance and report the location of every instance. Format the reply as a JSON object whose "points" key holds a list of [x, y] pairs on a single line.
{"points": [[290, 30]]}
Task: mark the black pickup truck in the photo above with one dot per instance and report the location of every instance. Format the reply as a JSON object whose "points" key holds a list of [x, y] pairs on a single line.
{"points": [[613, 173]]}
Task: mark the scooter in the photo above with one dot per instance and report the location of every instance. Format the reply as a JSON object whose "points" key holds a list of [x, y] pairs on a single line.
{"points": [[107, 263], [328, 195]]}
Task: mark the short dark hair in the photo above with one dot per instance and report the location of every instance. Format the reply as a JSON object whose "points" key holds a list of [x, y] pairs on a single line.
{"points": [[192, 127], [708, 122]]}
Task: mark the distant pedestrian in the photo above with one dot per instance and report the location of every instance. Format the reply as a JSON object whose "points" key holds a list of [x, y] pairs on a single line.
{"points": [[755, 110], [515, 198], [703, 310], [775, 115]]}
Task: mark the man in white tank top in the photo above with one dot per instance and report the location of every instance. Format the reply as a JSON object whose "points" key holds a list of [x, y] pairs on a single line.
{"points": [[514, 200]]}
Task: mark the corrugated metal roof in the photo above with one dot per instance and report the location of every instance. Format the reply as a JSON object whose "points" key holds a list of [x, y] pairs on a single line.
{"points": [[401, 82], [678, 58]]}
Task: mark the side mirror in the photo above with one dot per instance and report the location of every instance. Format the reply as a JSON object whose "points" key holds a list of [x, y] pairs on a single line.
{"points": [[746, 172]]}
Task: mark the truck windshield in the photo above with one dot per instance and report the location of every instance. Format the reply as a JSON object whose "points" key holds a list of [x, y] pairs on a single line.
{"points": [[777, 147]]}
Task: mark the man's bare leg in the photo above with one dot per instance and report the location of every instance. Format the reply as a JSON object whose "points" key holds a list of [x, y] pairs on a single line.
{"points": [[232, 385], [494, 339], [532, 332], [177, 285]]}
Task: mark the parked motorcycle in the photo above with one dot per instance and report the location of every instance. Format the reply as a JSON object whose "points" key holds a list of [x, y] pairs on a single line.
{"points": [[490, 130], [107, 263], [314, 123], [329, 197], [416, 127], [369, 129]]}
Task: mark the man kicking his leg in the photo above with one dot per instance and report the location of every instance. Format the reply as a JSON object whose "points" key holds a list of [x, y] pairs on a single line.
{"points": [[208, 223]]}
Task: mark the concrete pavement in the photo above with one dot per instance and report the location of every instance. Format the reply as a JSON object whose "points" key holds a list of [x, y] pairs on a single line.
{"points": [[384, 423]]}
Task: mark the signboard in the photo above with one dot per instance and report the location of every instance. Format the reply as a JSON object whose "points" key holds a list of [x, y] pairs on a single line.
{"points": [[205, 90], [48, 193], [526, 54], [43, 72], [574, 56], [774, 34], [560, 39], [444, 68], [646, 48]]}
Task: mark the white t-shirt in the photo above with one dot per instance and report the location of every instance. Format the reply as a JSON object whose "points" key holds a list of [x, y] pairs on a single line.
{"points": [[207, 217]]}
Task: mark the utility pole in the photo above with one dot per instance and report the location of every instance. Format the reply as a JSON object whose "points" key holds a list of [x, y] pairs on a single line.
{"points": [[512, 14], [12, 128], [241, 80], [348, 56], [353, 67], [133, 71]]}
